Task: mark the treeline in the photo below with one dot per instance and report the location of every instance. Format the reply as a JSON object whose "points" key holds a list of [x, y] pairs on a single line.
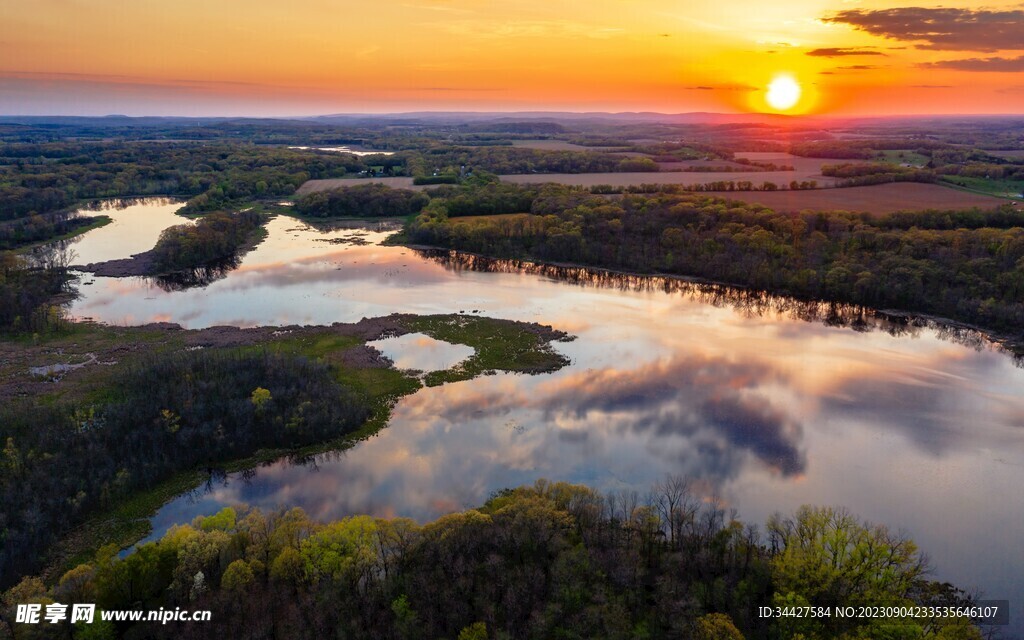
{"points": [[481, 195], [215, 236], [37, 228], [160, 415], [984, 170], [862, 149], [868, 173], [28, 285], [975, 275], [550, 561], [43, 178], [509, 160], [717, 185], [361, 201]]}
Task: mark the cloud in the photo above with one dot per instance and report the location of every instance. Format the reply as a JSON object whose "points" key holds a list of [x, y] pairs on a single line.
{"points": [[710, 413], [859, 67], [835, 52], [1001, 65], [722, 87], [931, 86], [941, 28]]}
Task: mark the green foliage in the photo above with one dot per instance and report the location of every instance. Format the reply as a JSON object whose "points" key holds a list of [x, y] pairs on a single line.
{"points": [[58, 471], [966, 266], [549, 561], [442, 178], [867, 173], [448, 162], [223, 520], [829, 558], [716, 626], [28, 285], [237, 577], [217, 236], [44, 178], [361, 201], [260, 397]]}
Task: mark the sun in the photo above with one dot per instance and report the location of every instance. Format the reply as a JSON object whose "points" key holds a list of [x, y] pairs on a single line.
{"points": [[783, 92]]}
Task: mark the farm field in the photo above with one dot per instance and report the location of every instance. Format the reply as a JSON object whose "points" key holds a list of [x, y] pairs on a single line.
{"points": [[877, 199], [670, 177], [801, 166], [550, 145]]}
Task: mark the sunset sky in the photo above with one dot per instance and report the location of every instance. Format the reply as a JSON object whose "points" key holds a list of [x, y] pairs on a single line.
{"points": [[308, 57]]}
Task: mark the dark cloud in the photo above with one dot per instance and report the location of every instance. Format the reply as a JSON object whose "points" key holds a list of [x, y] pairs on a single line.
{"points": [[1001, 65], [712, 405], [836, 52], [941, 28], [859, 67]]}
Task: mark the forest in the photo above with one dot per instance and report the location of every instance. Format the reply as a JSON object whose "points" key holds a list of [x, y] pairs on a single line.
{"points": [[156, 416], [31, 229], [548, 561], [552, 560], [506, 160], [361, 201], [215, 236], [971, 270], [29, 286], [45, 178]]}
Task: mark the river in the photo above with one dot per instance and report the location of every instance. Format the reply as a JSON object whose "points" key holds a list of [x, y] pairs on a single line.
{"points": [[766, 403]]}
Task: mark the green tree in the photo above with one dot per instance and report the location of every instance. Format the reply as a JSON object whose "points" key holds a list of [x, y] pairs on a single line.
{"points": [[237, 576]]}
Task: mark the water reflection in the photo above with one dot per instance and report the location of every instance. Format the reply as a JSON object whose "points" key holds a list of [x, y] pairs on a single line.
{"points": [[767, 401], [420, 352], [135, 226], [749, 302], [198, 276]]}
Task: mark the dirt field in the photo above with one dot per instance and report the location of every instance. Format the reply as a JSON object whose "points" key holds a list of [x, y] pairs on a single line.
{"points": [[591, 179], [877, 199], [802, 166], [668, 177], [804, 169], [550, 145]]}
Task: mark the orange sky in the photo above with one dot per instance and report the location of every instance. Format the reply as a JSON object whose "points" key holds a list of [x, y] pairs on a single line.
{"points": [[305, 57]]}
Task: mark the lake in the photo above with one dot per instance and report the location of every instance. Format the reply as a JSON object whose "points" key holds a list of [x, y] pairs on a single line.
{"points": [[766, 403]]}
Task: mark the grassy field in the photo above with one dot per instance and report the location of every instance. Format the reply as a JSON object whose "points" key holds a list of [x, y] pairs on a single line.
{"points": [[1000, 188], [903, 156]]}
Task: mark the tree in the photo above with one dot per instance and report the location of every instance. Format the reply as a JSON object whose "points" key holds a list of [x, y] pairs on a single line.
{"points": [[829, 558], [716, 626], [237, 576]]}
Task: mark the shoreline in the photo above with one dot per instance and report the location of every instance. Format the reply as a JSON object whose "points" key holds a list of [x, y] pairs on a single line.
{"points": [[1013, 345]]}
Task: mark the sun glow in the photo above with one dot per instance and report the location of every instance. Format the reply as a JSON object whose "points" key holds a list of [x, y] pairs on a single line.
{"points": [[783, 92]]}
